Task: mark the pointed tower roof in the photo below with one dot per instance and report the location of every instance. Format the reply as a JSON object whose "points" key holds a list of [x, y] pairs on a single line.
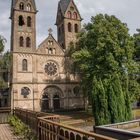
{"points": [[63, 6]]}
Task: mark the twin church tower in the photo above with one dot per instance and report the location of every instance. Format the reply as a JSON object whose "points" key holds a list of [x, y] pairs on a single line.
{"points": [[41, 75]]}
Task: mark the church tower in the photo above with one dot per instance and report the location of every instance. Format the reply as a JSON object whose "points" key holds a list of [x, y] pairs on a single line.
{"points": [[23, 47], [68, 22], [23, 33]]}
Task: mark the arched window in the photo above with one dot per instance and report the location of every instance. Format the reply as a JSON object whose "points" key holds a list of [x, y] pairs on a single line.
{"points": [[24, 65], [50, 42], [21, 6], [21, 41], [76, 28], [69, 27], [50, 51], [54, 51], [25, 91], [69, 14], [28, 7], [75, 15], [20, 21], [29, 21], [28, 42]]}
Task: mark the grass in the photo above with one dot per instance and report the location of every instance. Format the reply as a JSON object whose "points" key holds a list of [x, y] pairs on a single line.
{"points": [[136, 113], [76, 118]]}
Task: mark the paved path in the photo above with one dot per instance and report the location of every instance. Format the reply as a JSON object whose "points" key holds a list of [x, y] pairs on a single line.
{"points": [[6, 133]]}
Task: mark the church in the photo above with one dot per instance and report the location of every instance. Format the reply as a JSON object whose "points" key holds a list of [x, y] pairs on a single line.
{"points": [[41, 77]]}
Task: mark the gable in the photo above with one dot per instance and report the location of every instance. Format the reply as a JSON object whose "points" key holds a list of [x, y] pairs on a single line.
{"points": [[73, 9], [63, 7], [50, 47]]}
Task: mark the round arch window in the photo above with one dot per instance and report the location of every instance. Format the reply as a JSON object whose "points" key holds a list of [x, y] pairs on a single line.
{"points": [[25, 91]]}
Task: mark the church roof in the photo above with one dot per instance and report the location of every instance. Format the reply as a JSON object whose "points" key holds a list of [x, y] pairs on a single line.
{"points": [[42, 47], [64, 5]]}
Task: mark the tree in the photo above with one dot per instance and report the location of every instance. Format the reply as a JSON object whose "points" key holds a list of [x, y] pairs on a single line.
{"points": [[104, 54], [2, 43], [4, 64], [134, 84], [137, 45]]}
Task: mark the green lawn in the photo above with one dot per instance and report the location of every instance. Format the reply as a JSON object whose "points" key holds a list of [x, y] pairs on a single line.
{"points": [[136, 113]]}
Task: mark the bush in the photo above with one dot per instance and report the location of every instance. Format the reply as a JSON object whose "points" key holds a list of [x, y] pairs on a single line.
{"points": [[21, 129]]}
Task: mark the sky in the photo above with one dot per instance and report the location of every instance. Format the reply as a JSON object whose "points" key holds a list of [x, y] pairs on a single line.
{"points": [[126, 10]]}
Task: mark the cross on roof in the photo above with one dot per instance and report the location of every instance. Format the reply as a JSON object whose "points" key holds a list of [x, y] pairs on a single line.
{"points": [[50, 31]]}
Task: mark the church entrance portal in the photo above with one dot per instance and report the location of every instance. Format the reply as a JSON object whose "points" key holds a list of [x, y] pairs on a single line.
{"points": [[51, 99]]}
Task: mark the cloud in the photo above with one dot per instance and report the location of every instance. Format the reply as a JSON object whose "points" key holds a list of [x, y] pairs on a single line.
{"points": [[126, 10]]}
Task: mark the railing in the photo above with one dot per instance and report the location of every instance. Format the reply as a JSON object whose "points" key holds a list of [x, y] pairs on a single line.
{"points": [[49, 130], [30, 117], [48, 127], [4, 115]]}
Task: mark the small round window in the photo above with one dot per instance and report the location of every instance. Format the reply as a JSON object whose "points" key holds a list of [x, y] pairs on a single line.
{"points": [[25, 91]]}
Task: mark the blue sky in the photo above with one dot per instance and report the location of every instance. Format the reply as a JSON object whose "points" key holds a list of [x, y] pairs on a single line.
{"points": [[126, 10]]}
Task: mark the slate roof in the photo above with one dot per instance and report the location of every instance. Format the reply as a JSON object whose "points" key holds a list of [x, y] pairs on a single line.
{"points": [[63, 5]]}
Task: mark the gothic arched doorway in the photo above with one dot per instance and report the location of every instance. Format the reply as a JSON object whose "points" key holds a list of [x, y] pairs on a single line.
{"points": [[52, 99], [56, 102]]}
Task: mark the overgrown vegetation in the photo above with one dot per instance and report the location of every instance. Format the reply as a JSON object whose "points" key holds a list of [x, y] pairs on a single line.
{"points": [[21, 129]]}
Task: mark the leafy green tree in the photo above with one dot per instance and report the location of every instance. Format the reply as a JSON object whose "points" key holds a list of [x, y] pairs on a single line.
{"points": [[104, 54], [134, 84], [4, 63], [6, 58], [137, 45], [2, 43]]}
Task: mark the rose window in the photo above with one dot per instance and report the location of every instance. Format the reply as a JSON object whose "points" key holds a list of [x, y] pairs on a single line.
{"points": [[50, 68]]}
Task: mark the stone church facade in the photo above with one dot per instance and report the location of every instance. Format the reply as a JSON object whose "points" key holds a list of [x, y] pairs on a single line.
{"points": [[41, 79]]}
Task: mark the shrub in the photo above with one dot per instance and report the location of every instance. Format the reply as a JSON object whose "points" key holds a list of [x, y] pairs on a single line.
{"points": [[21, 129]]}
